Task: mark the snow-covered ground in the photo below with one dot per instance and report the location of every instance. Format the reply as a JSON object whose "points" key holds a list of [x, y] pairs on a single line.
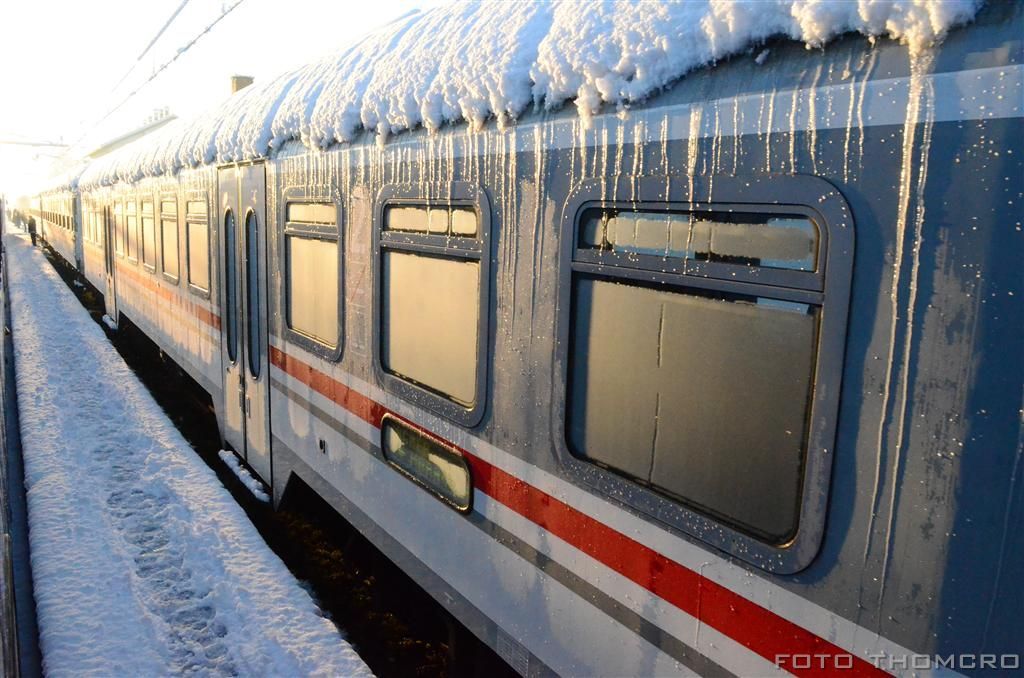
{"points": [[143, 563], [478, 61]]}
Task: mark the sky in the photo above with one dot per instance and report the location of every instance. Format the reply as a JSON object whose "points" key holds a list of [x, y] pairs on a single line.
{"points": [[70, 71]]}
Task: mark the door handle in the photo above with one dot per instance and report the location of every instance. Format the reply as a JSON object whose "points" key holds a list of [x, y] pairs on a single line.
{"points": [[248, 408]]}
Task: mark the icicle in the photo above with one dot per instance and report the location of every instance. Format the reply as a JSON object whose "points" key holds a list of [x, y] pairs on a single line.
{"points": [[812, 120], [768, 133], [693, 149]]}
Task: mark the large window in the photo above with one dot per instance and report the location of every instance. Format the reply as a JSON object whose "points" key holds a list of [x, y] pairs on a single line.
{"points": [[693, 346], [169, 239], [132, 226], [312, 273], [198, 246], [432, 299], [148, 236]]}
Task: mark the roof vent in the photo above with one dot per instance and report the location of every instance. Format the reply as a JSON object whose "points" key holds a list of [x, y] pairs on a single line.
{"points": [[240, 82]]}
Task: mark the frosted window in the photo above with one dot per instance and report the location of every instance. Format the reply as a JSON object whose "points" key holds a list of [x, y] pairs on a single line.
{"points": [[755, 240], [463, 222], [437, 220], [312, 213], [702, 398], [118, 230], [406, 219], [169, 247], [431, 316], [199, 255], [231, 309], [252, 285], [148, 241], [313, 288], [433, 220], [132, 228]]}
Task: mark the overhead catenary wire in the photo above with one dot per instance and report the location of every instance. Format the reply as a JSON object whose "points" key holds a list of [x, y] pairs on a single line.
{"points": [[152, 42], [182, 50], [15, 142]]}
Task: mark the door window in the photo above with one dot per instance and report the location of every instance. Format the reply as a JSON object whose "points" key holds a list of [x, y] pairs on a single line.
{"points": [[252, 277], [231, 285]]}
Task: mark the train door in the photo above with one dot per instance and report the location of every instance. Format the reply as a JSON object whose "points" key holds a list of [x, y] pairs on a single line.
{"points": [[244, 301], [110, 296]]}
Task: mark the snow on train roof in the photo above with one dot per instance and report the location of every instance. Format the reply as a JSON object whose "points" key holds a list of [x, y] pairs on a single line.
{"points": [[479, 61]]}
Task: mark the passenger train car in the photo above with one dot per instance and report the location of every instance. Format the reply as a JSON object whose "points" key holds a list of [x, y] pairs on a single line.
{"points": [[727, 383]]}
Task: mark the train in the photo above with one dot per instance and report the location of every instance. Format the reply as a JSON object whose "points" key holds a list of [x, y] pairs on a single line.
{"points": [[728, 382]]}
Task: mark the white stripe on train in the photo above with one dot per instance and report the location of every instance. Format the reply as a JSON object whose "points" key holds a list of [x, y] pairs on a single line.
{"points": [[857, 640]]}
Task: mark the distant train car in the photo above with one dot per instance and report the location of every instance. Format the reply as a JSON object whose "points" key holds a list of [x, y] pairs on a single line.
{"points": [[726, 383], [58, 223]]}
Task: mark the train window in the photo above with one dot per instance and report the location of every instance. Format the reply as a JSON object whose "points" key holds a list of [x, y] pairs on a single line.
{"points": [[197, 246], [169, 240], [430, 306], [313, 287], [231, 285], [252, 287], [700, 363], [654, 395], [770, 241], [311, 213], [428, 462], [440, 220], [118, 229], [312, 275], [148, 236], [431, 298], [655, 367], [131, 221]]}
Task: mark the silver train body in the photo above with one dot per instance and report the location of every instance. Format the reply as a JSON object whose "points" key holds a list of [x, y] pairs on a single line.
{"points": [[728, 383]]}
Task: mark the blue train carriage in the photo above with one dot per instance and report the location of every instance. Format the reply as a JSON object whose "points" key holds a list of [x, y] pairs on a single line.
{"points": [[724, 383]]}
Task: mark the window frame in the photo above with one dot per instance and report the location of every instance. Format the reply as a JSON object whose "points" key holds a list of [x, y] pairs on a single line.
{"points": [[192, 287], [132, 257], [390, 419], [154, 216], [828, 285], [297, 195], [462, 248], [160, 216]]}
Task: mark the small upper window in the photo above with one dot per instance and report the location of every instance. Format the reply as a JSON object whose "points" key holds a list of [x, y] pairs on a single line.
{"points": [[771, 241], [313, 279], [437, 220]]}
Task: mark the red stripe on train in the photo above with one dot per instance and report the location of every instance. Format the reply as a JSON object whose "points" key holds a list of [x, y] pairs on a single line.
{"points": [[211, 319], [746, 622]]}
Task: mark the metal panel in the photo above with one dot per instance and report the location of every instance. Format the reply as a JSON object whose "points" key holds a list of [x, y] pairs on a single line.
{"points": [[233, 421], [253, 204], [110, 297]]}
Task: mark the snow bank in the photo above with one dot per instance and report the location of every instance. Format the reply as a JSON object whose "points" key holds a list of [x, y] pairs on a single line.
{"points": [[143, 563], [477, 61]]}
